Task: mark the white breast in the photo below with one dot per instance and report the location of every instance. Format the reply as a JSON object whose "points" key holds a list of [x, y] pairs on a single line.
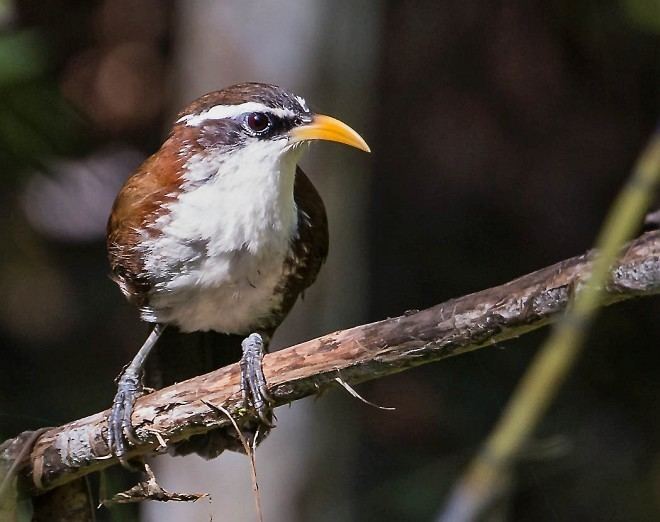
{"points": [[221, 250]]}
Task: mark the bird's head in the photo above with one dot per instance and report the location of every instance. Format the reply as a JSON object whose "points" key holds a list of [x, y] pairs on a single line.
{"points": [[256, 129]]}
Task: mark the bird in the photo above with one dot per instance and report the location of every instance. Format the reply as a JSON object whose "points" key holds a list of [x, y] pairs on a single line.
{"points": [[220, 231]]}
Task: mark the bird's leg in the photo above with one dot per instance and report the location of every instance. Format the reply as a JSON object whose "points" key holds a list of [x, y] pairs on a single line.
{"points": [[129, 388], [253, 381]]}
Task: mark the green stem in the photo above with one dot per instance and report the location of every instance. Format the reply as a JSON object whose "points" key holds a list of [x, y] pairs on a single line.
{"points": [[488, 473]]}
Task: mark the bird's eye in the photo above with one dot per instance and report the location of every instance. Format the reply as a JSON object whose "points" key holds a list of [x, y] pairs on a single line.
{"points": [[258, 121]]}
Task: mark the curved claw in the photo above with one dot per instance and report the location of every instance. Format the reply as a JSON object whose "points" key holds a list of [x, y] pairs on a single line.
{"points": [[253, 382], [120, 427], [129, 388]]}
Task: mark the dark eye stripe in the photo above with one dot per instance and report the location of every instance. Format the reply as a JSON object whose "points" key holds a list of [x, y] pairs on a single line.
{"points": [[266, 124]]}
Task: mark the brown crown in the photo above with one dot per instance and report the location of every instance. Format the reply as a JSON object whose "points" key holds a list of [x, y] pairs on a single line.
{"points": [[267, 94]]}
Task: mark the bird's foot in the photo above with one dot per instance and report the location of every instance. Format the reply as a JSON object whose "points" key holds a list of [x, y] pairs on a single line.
{"points": [[253, 381], [120, 427]]}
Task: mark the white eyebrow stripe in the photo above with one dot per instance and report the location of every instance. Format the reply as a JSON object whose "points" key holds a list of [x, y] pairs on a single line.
{"points": [[230, 111], [302, 103]]}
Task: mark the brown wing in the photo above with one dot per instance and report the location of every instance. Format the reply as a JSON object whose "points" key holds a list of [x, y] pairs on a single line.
{"points": [[138, 204], [310, 249]]}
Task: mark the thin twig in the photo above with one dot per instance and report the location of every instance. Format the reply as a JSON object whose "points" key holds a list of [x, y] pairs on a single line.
{"points": [[249, 451], [359, 397]]}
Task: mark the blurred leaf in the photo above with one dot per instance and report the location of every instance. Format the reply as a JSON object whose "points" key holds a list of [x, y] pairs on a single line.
{"points": [[21, 139], [644, 13], [22, 57], [36, 124], [41, 106]]}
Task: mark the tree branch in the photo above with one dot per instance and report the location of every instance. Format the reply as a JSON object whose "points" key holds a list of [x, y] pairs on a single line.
{"points": [[359, 354]]}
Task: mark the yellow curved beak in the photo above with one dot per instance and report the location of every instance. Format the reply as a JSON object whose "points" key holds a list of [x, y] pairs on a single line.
{"points": [[329, 129]]}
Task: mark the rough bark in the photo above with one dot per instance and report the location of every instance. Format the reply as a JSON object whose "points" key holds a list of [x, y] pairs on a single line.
{"points": [[363, 353]]}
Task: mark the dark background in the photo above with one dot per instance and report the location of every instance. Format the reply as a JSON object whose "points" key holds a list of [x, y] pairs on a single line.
{"points": [[500, 130]]}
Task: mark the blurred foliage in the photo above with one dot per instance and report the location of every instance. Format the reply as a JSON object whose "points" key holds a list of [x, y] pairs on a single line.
{"points": [[22, 57], [35, 122], [645, 14]]}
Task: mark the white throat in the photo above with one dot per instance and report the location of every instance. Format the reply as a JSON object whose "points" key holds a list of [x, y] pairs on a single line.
{"points": [[241, 201]]}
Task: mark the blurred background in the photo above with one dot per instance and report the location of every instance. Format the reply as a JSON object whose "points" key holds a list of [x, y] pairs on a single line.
{"points": [[500, 130]]}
